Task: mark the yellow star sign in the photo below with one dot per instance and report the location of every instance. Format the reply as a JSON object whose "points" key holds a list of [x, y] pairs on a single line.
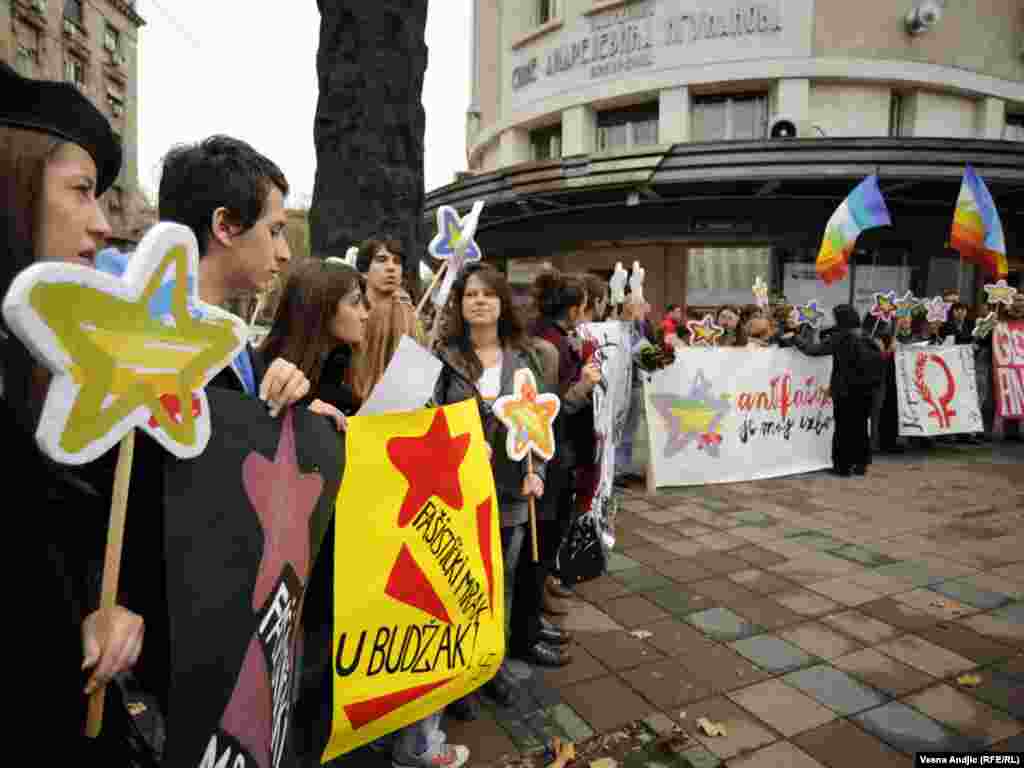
{"points": [[1001, 293], [125, 352], [529, 417], [705, 331]]}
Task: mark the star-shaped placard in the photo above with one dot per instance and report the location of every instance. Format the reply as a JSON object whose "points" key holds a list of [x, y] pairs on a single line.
{"points": [[938, 310], [885, 306], [984, 325], [905, 306], [431, 465], [1001, 293], [454, 244], [115, 366], [760, 291], [808, 314], [529, 418], [704, 332]]}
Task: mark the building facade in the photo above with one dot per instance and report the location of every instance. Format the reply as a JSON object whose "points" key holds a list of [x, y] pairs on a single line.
{"points": [[94, 45], [712, 139]]}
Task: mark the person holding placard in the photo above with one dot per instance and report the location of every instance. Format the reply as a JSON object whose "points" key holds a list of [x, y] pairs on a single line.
{"points": [[58, 155], [485, 345]]}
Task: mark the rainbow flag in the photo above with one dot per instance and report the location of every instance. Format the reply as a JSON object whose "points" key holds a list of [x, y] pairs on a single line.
{"points": [[864, 208], [977, 232]]}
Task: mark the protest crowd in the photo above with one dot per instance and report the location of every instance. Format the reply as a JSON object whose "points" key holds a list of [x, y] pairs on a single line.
{"points": [[338, 326]]}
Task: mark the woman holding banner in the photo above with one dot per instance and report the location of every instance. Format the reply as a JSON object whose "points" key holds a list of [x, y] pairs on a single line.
{"points": [[58, 154], [485, 345]]}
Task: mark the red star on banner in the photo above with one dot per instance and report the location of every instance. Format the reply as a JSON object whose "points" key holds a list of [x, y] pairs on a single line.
{"points": [[431, 466]]}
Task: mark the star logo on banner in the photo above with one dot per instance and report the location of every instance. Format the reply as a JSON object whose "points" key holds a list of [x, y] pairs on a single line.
{"points": [[808, 314], [695, 417], [938, 310], [430, 464], [1001, 293], [885, 306], [984, 326], [905, 307], [115, 366], [529, 417], [704, 332]]}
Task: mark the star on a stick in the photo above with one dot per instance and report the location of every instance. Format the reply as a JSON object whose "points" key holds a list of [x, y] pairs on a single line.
{"points": [[455, 234], [885, 306], [529, 418], [905, 306], [938, 310], [704, 332], [984, 325], [430, 464], [1001, 293], [114, 364], [808, 314]]}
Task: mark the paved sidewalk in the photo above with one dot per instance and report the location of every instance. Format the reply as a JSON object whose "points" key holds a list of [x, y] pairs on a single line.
{"points": [[823, 621]]}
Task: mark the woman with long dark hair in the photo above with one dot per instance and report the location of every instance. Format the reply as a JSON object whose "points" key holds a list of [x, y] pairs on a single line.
{"points": [[485, 345]]}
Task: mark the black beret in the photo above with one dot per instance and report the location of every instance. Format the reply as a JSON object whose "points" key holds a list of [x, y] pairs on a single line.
{"points": [[61, 110]]}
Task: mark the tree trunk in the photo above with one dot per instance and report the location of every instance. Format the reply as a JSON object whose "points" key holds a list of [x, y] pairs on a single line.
{"points": [[369, 126]]}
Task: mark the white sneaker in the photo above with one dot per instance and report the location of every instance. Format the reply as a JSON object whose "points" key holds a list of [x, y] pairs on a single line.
{"points": [[445, 756]]}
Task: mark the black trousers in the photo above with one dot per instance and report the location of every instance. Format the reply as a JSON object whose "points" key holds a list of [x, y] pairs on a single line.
{"points": [[851, 442]]}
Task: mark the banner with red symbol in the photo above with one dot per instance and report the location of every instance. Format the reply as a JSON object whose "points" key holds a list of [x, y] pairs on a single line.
{"points": [[937, 391], [418, 579]]}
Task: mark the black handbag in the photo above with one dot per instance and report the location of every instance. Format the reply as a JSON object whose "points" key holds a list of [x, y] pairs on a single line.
{"points": [[581, 556]]}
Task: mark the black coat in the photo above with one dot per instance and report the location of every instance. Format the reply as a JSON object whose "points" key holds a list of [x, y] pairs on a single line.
{"points": [[841, 344]]}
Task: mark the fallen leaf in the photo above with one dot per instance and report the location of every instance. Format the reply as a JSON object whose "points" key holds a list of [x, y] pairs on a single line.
{"points": [[969, 680], [640, 634], [710, 728]]}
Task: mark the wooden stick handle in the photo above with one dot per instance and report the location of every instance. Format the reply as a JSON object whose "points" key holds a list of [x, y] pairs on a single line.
{"points": [[112, 563], [533, 510], [430, 290]]}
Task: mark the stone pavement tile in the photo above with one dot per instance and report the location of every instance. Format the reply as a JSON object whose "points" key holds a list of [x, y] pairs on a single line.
{"points": [[651, 553], [619, 562], [633, 611], [883, 585], [817, 540], [909, 731], [935, 604], [752, 517], [600, 589], [773, 654], [865, 628], [584, 617], [663, 515], [1014, 572], [636, 504], [805, 602], [743, 731], [897, 614], [1013, 612], [706, 517], [674, 637], [781, 754], [667, 684], [844, 591], [883, 672], [583, 667], [786, 547], [965, 591], [685, 547], [997, 689], [618, 650], [720, 563], [628, 538], [682, 570], [1012, 744], [994, 582], [755, 534], [841, 744], [763, 583], [782, 707], [945, 568], [758, 556], [814, 568], [858, 553], [925, 656], [965, 715], [966, 643], [1013, 667], [571, 724], [690, 529], [606, 703], [819, 640], [765, 613], [679, 601], [487, 741], [719, 541], [996, 627], [835, 689], [917, 574], [722, 624], [642, 579], [720, 589]]}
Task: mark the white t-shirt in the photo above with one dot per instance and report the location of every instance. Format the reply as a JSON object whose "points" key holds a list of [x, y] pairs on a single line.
{"points": [[490, 381]]}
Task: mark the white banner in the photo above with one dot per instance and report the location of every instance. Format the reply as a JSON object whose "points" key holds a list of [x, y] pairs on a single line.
{"points": [[730, 415], [937, 390], [612, 352]]}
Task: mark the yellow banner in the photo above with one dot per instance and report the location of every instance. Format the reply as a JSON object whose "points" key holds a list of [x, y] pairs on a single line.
{"points": [[418, 576]]}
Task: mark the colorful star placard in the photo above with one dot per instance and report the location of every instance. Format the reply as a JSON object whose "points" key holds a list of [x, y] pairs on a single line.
{"points": [[617, 284], [760, 291], [809, 314], [885, 306], [454, 244], [704, 332], [938, 310], [984, 325], [116, 365], [1001, 293], [905, 306], [636, 283], [529, 417]]}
